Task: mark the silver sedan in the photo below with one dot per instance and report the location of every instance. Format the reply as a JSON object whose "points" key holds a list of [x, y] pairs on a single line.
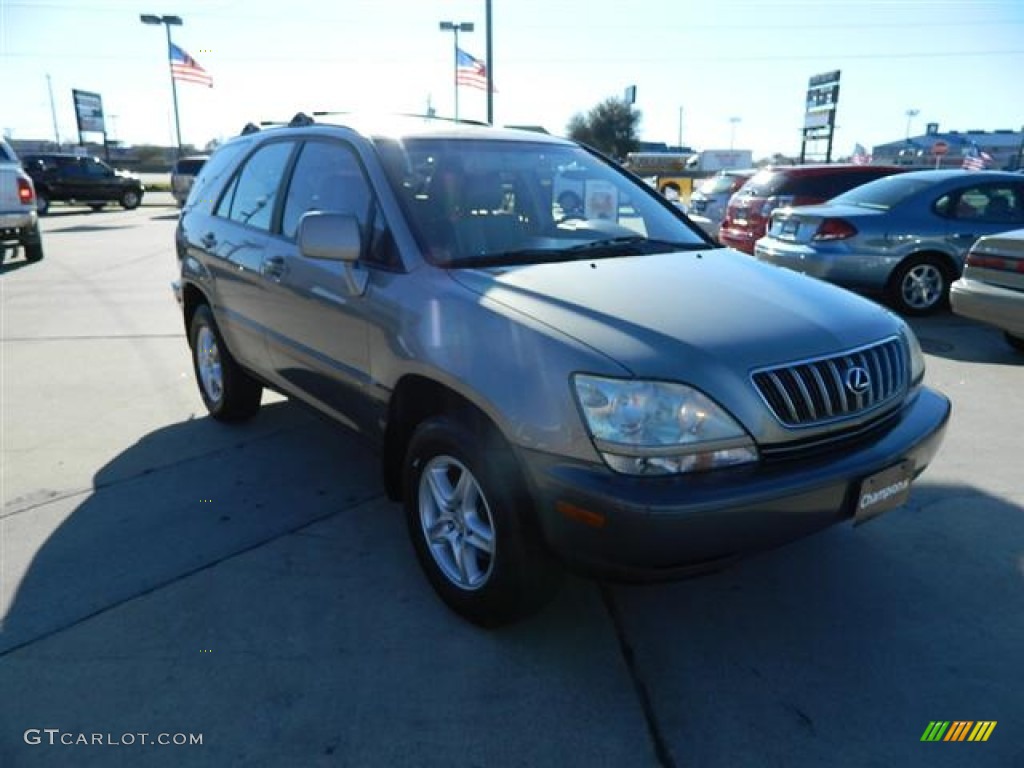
{"points": [[903, 236], [992, 288]]}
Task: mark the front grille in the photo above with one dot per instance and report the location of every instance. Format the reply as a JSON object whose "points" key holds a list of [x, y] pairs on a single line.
{"points": [[828, 389]]}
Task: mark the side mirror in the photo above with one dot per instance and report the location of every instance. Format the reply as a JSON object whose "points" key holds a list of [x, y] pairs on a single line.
{"points": [[334, 237]]}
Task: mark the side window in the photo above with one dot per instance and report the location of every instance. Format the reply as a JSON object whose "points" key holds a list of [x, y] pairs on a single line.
{"points": [[990, 203], [327, 177], [1004, 205], [253, 193], [95, 169], [220, 164]]}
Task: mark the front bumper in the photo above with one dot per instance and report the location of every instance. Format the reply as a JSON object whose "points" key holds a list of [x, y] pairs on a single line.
{"points": [[664, 527], [991, 304]]}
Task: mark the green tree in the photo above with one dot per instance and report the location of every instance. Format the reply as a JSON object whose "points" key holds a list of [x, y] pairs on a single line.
{"points": [[611, 127]]}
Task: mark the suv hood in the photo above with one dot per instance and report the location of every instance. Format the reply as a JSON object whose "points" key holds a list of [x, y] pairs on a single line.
{"points": [[706, 318]]}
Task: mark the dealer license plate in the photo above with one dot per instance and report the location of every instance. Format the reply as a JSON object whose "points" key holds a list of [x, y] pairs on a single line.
{"points": [[883, 491]]}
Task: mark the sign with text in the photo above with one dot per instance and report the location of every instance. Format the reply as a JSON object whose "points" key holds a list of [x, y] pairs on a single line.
{"points": [[88, 111]]}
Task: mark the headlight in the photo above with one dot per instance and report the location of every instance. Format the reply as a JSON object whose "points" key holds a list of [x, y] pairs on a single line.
{"points": [[916, 358], [654, 427]]}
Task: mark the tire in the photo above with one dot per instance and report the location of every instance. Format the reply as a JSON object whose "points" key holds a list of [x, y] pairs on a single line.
{"points": [[33, 251], [1017, 342], [228, 392], [920, 286], [470, 524], [42, 203], [130, 199], [97, 206]]}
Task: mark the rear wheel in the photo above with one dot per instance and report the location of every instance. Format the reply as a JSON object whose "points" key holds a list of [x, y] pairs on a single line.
{"points": [[32, 244], [228, 392], [42, 203], [97, 206], [469, 522], [130, 199], [920, 285], [33, 251]]}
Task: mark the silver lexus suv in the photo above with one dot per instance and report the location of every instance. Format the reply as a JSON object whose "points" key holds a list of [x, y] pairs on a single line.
{"points": [[596, 386]]}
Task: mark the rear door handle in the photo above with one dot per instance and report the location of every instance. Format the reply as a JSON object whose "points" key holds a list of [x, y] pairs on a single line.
{"points": [[274, 267]]}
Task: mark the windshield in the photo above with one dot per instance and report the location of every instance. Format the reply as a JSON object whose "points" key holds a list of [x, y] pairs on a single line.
{"points": [[882, 194], [476, 202]]}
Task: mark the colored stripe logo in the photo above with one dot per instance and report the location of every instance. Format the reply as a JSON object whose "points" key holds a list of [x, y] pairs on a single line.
{"points": [[959, 730]]}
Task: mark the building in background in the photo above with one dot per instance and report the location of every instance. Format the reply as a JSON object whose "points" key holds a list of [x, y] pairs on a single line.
{"points": [[1005, 147]]}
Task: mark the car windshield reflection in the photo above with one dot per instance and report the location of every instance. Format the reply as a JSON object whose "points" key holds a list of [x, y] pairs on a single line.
{"points": [[492, 202]]}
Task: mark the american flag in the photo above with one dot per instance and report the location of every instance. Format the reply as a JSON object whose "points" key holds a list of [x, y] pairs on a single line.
{"points": [[975, 159], [470, 71], [184, 67], [860, 155]]}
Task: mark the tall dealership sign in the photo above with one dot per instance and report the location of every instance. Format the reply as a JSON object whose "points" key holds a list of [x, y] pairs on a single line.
{"points": [[89, 113], [820, 116]]}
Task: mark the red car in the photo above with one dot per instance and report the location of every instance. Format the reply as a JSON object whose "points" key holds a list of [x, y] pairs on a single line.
{"points": [[749, 210]]}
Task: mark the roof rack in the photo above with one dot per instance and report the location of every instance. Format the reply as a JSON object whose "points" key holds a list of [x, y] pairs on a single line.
{"points": [[301, 120]]}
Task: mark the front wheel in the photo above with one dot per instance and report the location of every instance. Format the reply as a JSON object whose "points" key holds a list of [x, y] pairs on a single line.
{"points": [[228, 392], [130, 199], [471, 526], [1017, 342], [920, 286]]}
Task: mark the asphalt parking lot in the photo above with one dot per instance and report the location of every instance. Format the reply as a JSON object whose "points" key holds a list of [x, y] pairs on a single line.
{"points": [[164, 577]]}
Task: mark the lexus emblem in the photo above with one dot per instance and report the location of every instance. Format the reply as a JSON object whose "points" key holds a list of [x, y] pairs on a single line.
{"points": [[857, 380]]}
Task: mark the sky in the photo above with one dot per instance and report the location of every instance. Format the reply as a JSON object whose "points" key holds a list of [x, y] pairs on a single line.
{"points": [[718, 73]]}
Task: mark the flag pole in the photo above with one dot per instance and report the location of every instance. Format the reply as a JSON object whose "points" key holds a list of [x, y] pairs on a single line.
{"points": [[455, 73], [174, 90]]}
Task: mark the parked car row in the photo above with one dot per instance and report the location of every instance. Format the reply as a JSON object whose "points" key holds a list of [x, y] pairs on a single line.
{"points": [[904, 237], [878, 230]]}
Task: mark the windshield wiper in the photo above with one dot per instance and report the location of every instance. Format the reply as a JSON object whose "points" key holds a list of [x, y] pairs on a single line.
{"points": [[522, 256], [631, 245]]}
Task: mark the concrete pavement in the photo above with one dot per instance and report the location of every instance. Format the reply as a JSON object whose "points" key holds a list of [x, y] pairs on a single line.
{"points": [[162, 574]]}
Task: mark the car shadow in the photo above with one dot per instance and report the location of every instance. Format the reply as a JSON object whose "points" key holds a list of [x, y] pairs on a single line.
{"points": [[219, 575], [180, 498], [959, 338]]}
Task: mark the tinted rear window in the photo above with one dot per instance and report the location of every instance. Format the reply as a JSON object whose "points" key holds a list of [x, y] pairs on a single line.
{"points": [[882, 194], [764, 184], [718, 184], [190, 167]]}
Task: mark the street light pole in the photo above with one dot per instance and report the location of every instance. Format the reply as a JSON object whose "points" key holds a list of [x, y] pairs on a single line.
{"points": [[911, 114], [456, 27], [168, 22], [732, 131], [490, 64]]}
